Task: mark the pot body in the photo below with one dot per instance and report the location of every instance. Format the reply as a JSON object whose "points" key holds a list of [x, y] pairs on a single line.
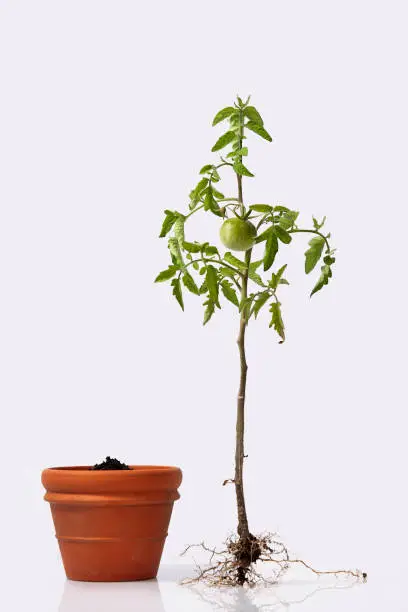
{"points": [[111, 525]]}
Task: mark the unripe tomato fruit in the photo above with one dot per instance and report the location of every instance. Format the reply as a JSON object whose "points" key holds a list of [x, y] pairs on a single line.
{"points": [[237, 235]]}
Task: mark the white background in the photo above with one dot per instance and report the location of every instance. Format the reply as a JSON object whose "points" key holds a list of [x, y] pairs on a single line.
{"points": [[105, 120]]}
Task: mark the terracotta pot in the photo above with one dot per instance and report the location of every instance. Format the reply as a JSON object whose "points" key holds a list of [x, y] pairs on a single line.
{"points": [[111, 525]]}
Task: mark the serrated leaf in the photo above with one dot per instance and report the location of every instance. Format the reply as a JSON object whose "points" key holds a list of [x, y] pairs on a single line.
{"points": [[209, 201], [166, 274], [276, 321], [226, 272], [192, 247], [254, 265], [245, 303], [265, 235], [325, 275], [241, 169], [168, 223], [282, 235], [255, 278], [259, 302], [276, 277], [174, 249], [234, 261], [258, 129], [229, 292], [262, 208], [196, 193], [253, 115], [223, 141], [217, 194], [210, 250], [318, 225], [287, 219], [271, 249], [189, 282], [177, 292], [206, 168], [313, 253], [211, 279], [179, 229], [209, 310], [238, 152], [223, 114]]}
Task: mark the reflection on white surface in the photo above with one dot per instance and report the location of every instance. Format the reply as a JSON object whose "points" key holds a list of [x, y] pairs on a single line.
{"points": [[111, 597], [276, 598], [166, 595]]}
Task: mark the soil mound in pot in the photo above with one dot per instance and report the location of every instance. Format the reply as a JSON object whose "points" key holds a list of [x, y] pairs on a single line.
{"points": [[110, 464]]}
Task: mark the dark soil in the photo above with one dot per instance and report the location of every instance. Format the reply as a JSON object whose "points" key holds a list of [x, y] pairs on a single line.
{"points": [[110, 464]]}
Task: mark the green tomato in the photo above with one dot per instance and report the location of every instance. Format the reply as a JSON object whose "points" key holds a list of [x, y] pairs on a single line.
{"points": [[237, 235]]}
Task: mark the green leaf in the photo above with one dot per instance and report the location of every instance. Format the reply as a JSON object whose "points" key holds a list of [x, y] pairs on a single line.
{"points": [[226, 272], [262, 208], [283, 235], [175, 251], [206, 168], [177, 292], [168, 223], [234, 261], [276, 321], [189, 282], [211, 279], [265, 235], [229, 292], [260, 301], [238, 152], [258, 129], [223, 141], [314, 253], [203, 288], [179, 229], [254, 265], [192, 247], [166, 274], [271, 248], [287, 219], [318, 225], [234, 120], [253, 115], [281, 209], [209, 310], [245, 305], [325, 275], [210, 250], [196, 193], [209, 201], [217, 194], [223, 114], [256, 278], [241, 169], [277, 277]]}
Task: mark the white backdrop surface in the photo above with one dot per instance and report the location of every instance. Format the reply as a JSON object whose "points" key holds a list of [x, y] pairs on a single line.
{"points": [[105, 120]]}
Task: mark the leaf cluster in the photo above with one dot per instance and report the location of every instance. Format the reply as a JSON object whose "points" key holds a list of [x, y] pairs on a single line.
{"points": [[201, 269]]}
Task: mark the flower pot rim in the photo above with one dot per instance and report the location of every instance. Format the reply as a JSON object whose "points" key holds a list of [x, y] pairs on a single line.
{"points": [[134, 469]]}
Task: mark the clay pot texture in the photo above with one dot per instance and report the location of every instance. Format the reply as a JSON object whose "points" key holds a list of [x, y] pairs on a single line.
{"points": [[111, 525]]}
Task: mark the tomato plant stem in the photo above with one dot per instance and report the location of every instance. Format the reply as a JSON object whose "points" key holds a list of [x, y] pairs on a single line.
{"points": [[243, 528]]}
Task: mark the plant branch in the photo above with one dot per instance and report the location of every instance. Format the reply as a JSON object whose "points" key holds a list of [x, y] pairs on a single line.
{"points": [[220, 262], [310, 231]]}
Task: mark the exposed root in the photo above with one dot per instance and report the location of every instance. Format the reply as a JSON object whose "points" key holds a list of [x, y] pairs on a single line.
{"points": [[236, 565]]}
